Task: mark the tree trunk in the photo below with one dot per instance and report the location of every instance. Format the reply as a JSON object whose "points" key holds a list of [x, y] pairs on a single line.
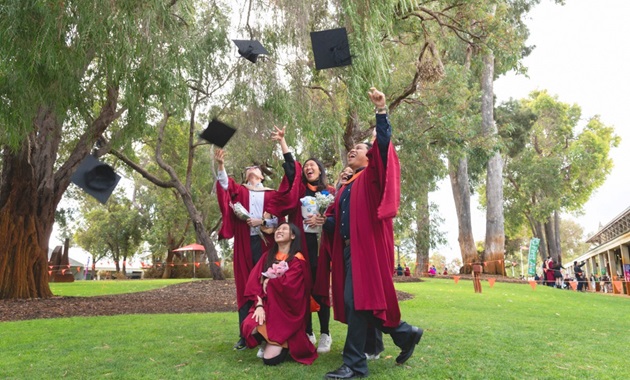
{"points": [[167, 264], [423, 237], [30, 191], [556, 219], [494, 256], [26, 221], [539, 232], [461, 194], [553, 238], [201, 232]]}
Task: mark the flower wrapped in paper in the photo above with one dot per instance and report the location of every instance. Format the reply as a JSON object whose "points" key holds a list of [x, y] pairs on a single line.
{"points": [[276, 270], [241, 212], [314, 205]]}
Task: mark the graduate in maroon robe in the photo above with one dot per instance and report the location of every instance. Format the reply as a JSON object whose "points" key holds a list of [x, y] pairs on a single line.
{"points": [[277, 320], [313, 180], [363, 250], [249, 241]]}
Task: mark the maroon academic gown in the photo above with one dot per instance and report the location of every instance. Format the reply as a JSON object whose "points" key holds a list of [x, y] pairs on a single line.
{"points": [[232, 226], [285, 308], [321, 287], [550, 271], [373, 205]]}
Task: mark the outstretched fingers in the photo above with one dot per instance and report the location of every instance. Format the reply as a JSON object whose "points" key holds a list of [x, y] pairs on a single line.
{"points": [[278, 134]]}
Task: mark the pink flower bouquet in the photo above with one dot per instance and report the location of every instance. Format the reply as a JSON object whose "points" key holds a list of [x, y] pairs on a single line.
{"points": [[276, 270]]}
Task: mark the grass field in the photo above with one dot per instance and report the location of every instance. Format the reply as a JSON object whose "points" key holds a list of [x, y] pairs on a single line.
{"points": [[101, 288], [508, 332]]}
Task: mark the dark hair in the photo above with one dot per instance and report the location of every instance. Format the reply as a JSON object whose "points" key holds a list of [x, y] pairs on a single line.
{"points": [[368, 144], [321, 182], [296, 246]]}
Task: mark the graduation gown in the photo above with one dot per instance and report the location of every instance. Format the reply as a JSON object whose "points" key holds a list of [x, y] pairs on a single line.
{"points": [[233, 227], [373, 204], [285, 305], [321, 285]]}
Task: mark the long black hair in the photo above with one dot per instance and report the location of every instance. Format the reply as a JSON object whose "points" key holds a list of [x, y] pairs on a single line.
{"points": [[296, 246], [321, 183]]}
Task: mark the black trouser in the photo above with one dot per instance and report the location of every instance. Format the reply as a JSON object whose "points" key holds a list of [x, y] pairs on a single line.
{"points": [[323, 315], [256, 244], [373, 341], [358, 323], [580, 284]]}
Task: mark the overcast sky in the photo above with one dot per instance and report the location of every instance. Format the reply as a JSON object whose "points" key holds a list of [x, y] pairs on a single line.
{"points": [[581, 56]]}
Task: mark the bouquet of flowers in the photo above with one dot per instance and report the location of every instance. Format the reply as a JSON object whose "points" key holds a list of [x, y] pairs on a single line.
{"points": [[276, 270], [323, 200], [315, 205], [241, 212]]}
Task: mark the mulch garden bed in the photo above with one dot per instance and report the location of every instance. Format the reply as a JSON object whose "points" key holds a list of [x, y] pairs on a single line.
{"points": [[204, 296]]}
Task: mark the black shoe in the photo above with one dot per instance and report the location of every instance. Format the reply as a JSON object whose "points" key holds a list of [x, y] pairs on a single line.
{"points": [[343, 372], [407, 351], [240, 345]]}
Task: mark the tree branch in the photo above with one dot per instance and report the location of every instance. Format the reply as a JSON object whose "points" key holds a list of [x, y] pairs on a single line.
{"points": [[92, 133], [158, 149], [140, 170], [437, 16], [413, 86], [328, 93]]}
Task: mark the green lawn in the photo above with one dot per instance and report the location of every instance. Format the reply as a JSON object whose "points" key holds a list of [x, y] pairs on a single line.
{"points": [[507, 332], [101, 288]]}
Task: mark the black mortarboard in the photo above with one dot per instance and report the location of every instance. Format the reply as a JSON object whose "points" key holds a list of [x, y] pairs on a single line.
{"points": [[96, 178], [331, 48], [217, 133], [250, 49]]}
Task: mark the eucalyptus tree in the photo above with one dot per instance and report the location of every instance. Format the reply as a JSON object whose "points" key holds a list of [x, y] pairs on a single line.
{"points": [[168, 220], [485, 39], [392, 46], [399, 46], [170, 148], [557, 169], [73, 72]]}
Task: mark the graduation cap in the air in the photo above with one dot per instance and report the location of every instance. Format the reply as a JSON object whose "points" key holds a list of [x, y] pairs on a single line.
{"points": [[250, 49], [217, 133], [331, 48], [96, 178]]}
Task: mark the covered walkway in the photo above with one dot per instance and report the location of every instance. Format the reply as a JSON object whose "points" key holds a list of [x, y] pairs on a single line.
{"points": [[608, 260]]}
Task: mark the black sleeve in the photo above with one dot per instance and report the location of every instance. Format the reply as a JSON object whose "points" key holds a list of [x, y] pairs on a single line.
{"points": [[289, 166]]}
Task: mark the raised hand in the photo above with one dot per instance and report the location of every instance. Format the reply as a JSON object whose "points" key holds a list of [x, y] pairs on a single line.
{"points": [[278, 134], [219, 156], [377, 97]]}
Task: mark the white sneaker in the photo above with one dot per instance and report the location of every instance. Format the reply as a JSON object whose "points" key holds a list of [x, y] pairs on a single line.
{"points": [[325, 341], [372, 357], [311, 337], [261, 350]]}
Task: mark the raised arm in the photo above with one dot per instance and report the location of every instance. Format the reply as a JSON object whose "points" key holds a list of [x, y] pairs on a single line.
{"points": [[383, 128], [219, 158], [289, 162]]}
